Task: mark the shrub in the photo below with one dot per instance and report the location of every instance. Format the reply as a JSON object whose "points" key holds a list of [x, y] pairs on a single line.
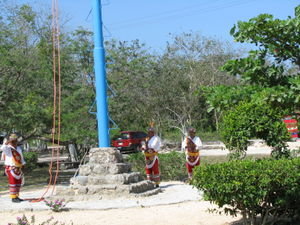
{"points": [[25, 221], [268, 188], [57, 205], [31, 159], [172, 166], [254, 120]]}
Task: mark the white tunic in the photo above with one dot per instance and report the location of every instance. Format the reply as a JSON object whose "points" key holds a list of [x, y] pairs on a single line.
{"points": [[154, 143], [8, 154], [197, 141]]}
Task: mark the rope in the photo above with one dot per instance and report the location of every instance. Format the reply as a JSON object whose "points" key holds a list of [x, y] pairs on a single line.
{"points": [[56, 114], [80, 163], [57, 41]]}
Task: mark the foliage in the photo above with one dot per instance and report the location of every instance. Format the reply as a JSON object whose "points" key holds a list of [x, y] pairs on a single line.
{"points": [[25, 221], [266, 188], [79, 91], [31, 159], [279, 37], [137, 162], [57, 205], [189, 61], [252, 120], [24, 84], [223, 98], [270, 83], [141, 81], [172, 166], [276, 64], [130, 70]]}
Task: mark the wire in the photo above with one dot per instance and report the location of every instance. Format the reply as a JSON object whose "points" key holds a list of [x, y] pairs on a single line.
{"points": [[161, 13], [162, 17], [86, 19]]}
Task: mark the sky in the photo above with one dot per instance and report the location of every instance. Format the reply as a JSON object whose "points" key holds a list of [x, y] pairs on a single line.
{"points": [[152, 21]]}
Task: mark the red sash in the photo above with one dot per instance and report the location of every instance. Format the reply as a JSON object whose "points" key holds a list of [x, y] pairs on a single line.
{"points": [[192, 152], [16, 156]]}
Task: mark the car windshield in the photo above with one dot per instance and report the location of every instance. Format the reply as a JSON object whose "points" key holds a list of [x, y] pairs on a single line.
{"points": [[124, 136]]}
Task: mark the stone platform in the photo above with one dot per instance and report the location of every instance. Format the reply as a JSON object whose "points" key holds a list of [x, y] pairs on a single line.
{"points": [[106, 175]]}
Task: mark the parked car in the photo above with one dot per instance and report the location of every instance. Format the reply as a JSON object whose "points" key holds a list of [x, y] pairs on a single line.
{"points": [[129, 141]]}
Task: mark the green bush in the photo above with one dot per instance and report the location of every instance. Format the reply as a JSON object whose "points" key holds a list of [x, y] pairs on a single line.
{"points": [[254, 120], [31, 159], [172, 165], [265, 188]]}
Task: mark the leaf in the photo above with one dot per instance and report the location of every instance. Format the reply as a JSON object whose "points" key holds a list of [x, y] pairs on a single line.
{"points": [[232, 30]]}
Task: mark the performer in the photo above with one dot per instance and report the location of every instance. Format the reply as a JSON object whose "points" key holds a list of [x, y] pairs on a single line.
{"points": [[191, 145], [151, 146], [13, 161]]}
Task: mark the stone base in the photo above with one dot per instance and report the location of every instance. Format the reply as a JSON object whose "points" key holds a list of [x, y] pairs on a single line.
{"points": [[107, 191], [106, 176]]}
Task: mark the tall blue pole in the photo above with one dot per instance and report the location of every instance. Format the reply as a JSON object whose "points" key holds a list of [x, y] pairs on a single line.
{"points": [[100, 74]]}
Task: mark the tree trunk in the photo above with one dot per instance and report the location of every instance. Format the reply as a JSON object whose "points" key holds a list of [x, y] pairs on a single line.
{"points": [[73, 152]]}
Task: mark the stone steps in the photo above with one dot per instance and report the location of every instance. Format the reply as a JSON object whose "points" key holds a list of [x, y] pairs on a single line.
{"points": [[142, 188], [107, 168], [123, 178], [106, 175], [64, 176]]}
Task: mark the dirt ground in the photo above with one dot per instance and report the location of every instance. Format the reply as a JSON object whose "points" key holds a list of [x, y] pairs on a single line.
{"points": [[186, 213]]}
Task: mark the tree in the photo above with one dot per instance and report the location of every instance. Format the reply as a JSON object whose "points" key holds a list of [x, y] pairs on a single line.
{"points": [[130, 70], [270, 75], [79, 91], [24, 86], [189, 62], [26, 100]]}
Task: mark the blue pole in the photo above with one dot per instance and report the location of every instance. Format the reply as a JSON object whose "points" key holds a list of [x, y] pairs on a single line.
{"points": [[100, 76]]}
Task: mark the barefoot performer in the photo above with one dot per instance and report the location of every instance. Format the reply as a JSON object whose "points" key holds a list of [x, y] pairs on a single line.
{"points": [[151, 146], [13, 161], [191, 145]]}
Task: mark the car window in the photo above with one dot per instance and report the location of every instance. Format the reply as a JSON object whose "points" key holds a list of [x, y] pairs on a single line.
{"points": [[125, 136], [141, 135], [136, 135]]}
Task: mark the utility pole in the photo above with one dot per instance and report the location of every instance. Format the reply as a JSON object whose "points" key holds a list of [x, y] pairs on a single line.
{"points": [[100, 76]]}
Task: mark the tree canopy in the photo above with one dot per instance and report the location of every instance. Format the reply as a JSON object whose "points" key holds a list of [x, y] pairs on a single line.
{"points": [[144, 86], [270, 81]]}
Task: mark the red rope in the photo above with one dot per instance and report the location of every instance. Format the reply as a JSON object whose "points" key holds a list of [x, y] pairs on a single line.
{"points": [[56, 114], [59, 96]]}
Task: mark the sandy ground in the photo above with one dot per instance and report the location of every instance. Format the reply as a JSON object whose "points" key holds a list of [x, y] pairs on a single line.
{"points": [[186, 213], [177, 204]]}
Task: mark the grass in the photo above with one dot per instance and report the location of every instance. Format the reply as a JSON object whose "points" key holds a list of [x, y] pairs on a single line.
{"points": [[224, 158], [33, 179]]}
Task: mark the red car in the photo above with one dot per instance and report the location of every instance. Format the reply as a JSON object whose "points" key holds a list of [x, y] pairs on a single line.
{"points": [[129, 141]]}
